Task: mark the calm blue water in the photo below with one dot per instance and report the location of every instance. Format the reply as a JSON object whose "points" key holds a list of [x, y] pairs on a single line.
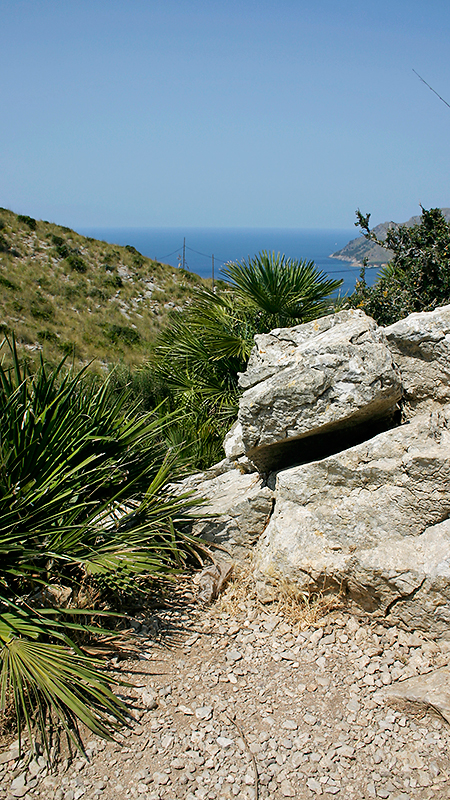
{"points": [[234, 244]]}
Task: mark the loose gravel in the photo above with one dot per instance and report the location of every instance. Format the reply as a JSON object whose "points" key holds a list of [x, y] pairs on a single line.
{"points": [[249, 706]]}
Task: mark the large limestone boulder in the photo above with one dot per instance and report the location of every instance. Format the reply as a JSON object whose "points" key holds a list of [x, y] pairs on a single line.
{"points": [[371, 521], [420, 345], [333, 374]]}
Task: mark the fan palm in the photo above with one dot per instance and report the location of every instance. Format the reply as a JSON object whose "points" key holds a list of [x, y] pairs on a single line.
{"points": [[83, 502], [199, 356], [282, 291]]}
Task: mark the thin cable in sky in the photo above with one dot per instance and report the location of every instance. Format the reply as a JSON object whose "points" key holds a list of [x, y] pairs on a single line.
{"points": [[430, 87]]}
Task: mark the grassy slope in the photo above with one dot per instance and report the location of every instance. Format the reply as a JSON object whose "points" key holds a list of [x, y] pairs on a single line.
{"points": [[63, 293]]}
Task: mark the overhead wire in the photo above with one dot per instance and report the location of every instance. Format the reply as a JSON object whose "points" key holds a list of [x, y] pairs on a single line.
{"points": [[353, 270]]}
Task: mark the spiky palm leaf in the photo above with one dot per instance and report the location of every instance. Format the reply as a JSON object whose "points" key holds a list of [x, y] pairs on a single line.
{"points": [[83, 498], [283, 290]]}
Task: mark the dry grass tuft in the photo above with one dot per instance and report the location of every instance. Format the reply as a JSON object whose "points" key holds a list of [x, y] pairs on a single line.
{"points": [[299, 608]]}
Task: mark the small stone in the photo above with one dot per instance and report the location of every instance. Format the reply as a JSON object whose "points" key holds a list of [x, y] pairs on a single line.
{"points": [[19, 782], [149, 699], [316, 636], [346, 751], [161, 778], [233, 656], [424, 779], [286, 789], [204, 712], [177, 763], [224, 742], [314, 785], [186, 710], [291, 725], [310, 719]]}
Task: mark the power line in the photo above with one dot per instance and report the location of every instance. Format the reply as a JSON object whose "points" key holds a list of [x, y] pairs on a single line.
{"points": [[354, 270], [170, 254], [206, 255], [430, 87]]}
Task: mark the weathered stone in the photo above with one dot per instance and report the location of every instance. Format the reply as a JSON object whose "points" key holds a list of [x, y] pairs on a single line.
{"points": [[235, 450], [233, 444], [315, 379], [431, 690], [238, 508], [366, 521], [420, 345]]}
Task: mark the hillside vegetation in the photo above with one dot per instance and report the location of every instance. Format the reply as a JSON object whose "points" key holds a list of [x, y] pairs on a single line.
{"points": [[67, 294]]}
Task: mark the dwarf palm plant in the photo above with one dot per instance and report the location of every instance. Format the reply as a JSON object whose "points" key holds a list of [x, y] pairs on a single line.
{"points": [[199, 355], [282, 291], [83, 502]]}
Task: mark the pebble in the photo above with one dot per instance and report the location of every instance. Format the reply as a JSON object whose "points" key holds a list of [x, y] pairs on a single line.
{"points": [[305, 706]]}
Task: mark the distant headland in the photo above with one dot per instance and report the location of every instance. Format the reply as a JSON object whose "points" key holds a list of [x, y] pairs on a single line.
{"points": [[358, 249]]}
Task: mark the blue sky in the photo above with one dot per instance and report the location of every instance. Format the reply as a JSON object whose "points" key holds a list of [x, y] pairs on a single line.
{"points": [[286, 113]]}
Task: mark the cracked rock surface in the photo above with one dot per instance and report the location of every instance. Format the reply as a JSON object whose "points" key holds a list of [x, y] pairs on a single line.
{"points": [[372, 519], [247, 705]]}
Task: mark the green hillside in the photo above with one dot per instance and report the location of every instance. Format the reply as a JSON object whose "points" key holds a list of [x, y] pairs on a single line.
{"points": [[66, 294]]}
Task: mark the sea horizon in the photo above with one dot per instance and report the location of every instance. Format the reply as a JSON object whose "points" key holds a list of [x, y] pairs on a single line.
{"points": [[165, 244]]}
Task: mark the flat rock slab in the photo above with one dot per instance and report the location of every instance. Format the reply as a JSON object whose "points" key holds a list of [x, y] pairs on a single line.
{"points": [[432, 689], [335, 372]]}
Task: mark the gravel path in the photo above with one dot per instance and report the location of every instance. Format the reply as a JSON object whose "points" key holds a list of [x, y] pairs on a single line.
{"points": [[247, 705]]}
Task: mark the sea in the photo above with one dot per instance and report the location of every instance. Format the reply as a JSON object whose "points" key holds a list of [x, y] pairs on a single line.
{"points": [[235, 244]]}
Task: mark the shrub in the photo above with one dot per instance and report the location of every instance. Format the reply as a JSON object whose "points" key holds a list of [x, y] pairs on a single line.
{"points": [[7, 283], [122, 333], [418, 276], [76, 263], [27, 221], [84, 503]]}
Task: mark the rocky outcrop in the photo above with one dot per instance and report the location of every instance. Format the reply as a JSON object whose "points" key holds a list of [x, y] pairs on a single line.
{"points": [[355, 496], [237, 509], [333, 374]]}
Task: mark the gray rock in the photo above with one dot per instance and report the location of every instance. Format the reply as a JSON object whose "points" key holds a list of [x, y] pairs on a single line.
{"points": [[367, 520], [238, 507], [432, 689], [420, 345], [336, 372]]}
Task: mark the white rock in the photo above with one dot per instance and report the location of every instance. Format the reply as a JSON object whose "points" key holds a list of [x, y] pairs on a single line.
{"points": [[420, 345], [237, 509], [332, 373], [370, 519]]}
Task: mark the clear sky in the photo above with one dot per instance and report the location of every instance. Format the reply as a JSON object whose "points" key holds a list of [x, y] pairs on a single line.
{"points": [[278, 113]]}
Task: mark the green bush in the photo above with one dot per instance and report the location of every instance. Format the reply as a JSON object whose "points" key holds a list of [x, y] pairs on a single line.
{"points": [[7, 283], [122, 333], [418, 276], [76, 263], [84, 505], [32, 224]]}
